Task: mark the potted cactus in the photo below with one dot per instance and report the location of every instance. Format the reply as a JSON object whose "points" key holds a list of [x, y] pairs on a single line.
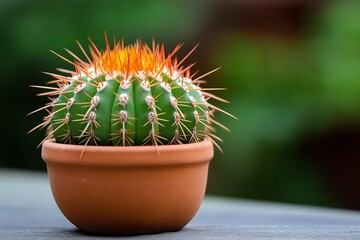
{"points": [[130, 135]]}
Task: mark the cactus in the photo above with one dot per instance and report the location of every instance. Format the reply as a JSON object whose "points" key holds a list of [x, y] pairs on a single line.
{"points": [[128, 95]]}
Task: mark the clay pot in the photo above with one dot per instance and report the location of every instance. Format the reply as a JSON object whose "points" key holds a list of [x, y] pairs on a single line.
{"points": [[128, 190]]}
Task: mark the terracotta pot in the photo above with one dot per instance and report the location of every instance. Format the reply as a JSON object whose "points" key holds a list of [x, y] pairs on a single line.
{"points": [[128, 190]]}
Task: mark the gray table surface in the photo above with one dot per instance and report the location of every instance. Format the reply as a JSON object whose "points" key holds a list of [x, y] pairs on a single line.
{"points": [[28, 211]]}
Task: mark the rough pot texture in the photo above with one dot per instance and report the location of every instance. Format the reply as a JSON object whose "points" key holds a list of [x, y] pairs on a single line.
{"points": [[128, 190]]}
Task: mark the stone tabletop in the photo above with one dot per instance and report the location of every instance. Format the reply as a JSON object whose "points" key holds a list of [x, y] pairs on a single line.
{"points": [[28, 211]]}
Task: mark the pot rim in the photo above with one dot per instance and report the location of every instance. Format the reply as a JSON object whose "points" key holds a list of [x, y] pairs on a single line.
{"points": [[53, 152]]}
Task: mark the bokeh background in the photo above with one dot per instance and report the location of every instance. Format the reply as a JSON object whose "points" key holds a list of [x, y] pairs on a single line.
{"points": [[291, 69]]}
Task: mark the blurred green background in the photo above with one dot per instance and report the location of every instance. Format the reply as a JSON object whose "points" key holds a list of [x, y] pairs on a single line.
{"points": [[292, 70]]}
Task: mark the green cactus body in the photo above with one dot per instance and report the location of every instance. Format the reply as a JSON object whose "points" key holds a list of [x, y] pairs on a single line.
{"points": [[76, 110], [127, 96], [200, 113], [185, 107], [139, 111], [59, 115], [166, 110]]}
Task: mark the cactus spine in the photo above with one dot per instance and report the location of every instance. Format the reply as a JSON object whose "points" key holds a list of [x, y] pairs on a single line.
{"points": [[128, 95]]}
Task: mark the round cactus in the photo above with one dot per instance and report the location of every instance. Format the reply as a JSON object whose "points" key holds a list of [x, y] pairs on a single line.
{"points": [[128, 95]]}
